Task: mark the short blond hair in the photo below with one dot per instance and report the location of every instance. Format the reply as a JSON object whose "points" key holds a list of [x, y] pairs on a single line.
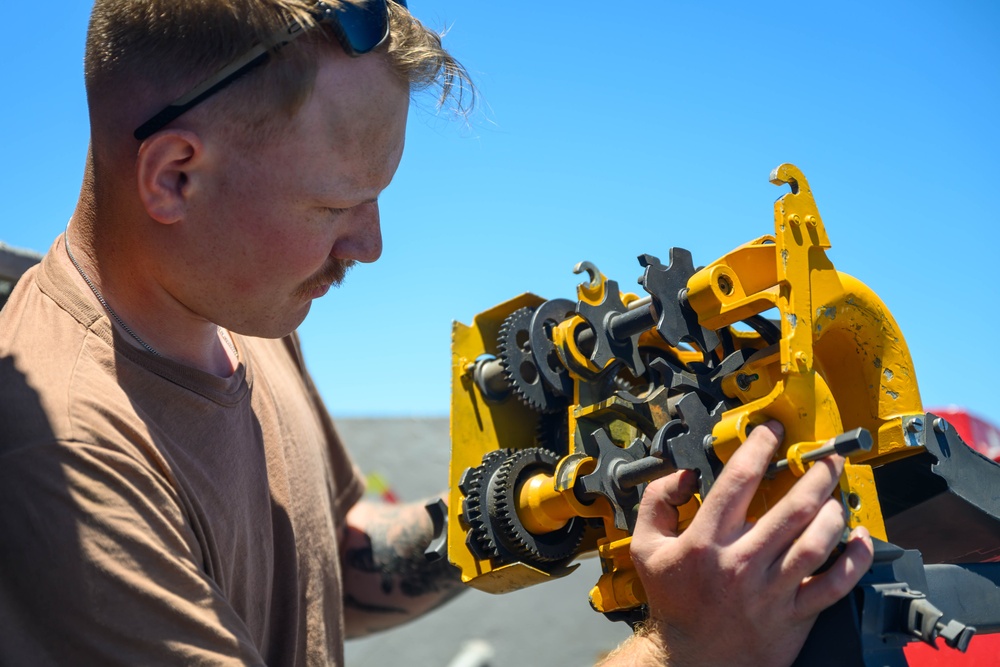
{"points": [[155, 50]]}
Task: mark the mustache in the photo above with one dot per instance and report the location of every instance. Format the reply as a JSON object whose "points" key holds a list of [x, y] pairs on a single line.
{"points": [[332, 273]]}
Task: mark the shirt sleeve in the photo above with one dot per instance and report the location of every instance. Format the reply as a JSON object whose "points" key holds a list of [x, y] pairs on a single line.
{"points": [[349, 479]]}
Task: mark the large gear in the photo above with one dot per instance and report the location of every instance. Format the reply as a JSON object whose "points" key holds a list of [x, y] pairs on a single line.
{"points": [[552, 547], [489, 508], [520, 365]]}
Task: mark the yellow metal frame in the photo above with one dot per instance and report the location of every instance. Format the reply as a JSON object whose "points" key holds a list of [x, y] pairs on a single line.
{"points": [[841, 363]]}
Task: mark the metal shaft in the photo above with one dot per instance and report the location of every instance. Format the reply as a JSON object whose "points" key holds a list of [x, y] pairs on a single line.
{"points": [[634, 473], [622, 326]]}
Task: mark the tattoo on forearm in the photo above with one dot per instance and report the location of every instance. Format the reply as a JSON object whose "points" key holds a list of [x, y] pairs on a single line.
{"points": [[394, 550]]}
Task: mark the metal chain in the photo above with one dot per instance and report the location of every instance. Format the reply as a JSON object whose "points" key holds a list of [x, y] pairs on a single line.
{"points": [[227, 339]]}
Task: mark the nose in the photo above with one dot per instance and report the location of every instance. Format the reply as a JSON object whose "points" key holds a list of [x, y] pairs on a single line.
{"points": [[362, 240]]}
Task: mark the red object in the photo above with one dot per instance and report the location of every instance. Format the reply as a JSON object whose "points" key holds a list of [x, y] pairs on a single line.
{"points": [[984, 650], [978, 433]]}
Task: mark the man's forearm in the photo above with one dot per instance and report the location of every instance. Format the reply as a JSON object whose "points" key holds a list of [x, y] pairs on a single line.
{"points": [[387, 579]]}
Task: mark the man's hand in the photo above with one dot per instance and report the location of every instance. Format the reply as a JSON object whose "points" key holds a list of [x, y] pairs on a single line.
{"points": [[728, 592], [387, 579]]}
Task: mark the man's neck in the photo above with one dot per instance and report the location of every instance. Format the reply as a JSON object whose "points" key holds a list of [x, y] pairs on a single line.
{"points": [[145, 314]]}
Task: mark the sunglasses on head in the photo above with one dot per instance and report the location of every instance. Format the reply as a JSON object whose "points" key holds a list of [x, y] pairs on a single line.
{"points": [[358, 28]]}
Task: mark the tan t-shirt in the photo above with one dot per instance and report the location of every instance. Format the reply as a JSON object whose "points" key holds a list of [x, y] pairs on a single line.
{"points": [[154, 514]]}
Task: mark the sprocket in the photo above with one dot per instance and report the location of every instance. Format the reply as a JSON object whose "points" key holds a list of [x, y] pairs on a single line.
{"points": [[474, 487], [520, 366], [554, 546]]}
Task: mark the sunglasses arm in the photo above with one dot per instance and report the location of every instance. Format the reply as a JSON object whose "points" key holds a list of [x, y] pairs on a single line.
{"points": [[227, 75]]}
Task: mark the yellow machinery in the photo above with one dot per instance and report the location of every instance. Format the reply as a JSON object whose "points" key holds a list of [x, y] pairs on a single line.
{"points": [[563, 410]]}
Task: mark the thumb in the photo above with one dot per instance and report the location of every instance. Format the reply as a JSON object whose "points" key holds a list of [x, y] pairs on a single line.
{"points": [[658, 508]]}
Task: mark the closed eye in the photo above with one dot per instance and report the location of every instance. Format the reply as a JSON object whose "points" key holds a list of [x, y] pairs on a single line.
{"points": [[340, 211]]}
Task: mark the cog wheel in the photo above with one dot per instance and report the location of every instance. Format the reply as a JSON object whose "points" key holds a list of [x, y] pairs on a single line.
{"points": [[603, 481], [520, 366], [677, 323], [552, 431], [475, 510], [606, 347], [688, 449], [551, 547]]}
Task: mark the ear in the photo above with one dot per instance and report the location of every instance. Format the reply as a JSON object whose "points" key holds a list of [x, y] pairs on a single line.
{"points": [[166, 169]]}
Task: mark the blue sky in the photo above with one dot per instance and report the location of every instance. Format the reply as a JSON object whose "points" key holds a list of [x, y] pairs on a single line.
{"points": [[607, 130]]}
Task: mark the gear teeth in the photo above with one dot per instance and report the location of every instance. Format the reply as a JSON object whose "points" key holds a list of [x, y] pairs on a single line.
{"points": [[512, 358], [478, 538], [538, 550], [552, 432]]}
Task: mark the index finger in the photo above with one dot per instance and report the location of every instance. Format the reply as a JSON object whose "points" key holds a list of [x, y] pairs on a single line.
{"points": [[724, 510]]}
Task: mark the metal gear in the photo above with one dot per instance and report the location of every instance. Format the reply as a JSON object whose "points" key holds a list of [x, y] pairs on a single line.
{"points": [[607, 347], [520, 367], [553, 371], [677, 322], [691, 449], [554, 546], [474, 486], [552, 431], [603, 481]]}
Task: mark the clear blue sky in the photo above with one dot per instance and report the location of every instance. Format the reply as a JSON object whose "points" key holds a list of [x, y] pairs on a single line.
{"points": [[612, 129]]}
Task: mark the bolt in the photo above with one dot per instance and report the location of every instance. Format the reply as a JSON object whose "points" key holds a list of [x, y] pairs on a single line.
{"points": [[845, 444], [743, 381], [941, 425], [915, 425], [794, 219], [811, 220]]}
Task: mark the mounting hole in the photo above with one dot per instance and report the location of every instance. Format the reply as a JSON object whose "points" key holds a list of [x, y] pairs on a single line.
{"points": [[725, 285], [854, 501]]}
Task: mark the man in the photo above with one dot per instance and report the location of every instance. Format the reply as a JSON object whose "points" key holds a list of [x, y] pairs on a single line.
{"points": [[172, 490]]}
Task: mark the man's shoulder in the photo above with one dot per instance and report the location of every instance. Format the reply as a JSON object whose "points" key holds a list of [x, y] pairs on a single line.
{"points": [[47, 357]]}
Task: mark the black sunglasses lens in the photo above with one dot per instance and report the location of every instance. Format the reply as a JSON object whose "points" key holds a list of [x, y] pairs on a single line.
{"points": [[364, 27]]}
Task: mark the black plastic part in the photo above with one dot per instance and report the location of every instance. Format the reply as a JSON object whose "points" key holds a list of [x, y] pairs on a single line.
{"points": [[945, 501], [553, 372], [691, 450], [438, 548], [899, 601]]}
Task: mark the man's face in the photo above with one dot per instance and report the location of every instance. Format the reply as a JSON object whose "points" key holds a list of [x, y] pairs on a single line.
{"points": [[269, 230]]}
